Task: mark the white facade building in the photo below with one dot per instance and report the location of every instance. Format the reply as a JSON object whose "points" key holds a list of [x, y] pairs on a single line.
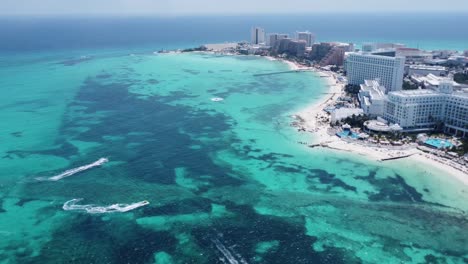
{"points": [[372, 98], [389, 70], [433, 82], [413, 55], [425, 70], [257, 35], [308, 37], [419, 110], [274, 37]]}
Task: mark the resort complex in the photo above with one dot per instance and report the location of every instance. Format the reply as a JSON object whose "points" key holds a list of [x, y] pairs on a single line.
{"points": [[384, 95], [405, 87], [385, 100], [425, 110]]}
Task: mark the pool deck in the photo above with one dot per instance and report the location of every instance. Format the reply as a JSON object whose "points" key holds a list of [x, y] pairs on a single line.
{"points": [[438, 143]]}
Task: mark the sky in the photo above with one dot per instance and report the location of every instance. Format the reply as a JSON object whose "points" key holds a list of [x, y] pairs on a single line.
{"points": [[223, 7]]}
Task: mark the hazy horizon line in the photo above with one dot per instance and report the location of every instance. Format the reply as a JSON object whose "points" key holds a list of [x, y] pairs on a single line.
{"points": [[143, 15]]}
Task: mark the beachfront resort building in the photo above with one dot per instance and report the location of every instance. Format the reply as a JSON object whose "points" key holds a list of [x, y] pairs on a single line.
{"points": [[362, 66], [291, 47], [257, 35], [330, 53], [413, 55], [432, 81], [320, 50], [372, 98], [272, 38], [426, 109], [306, 36], [426, 69]]}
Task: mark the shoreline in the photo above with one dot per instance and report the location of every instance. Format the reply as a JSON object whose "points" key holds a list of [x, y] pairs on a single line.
{"points": [[313, 119], [316, 121]]}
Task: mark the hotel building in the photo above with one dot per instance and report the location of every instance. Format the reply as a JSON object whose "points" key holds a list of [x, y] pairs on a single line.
{"points": [[274, 37], [413, 55], [372, 98], [306, 36], [292, 47], [425, 70], [432, 81], [422, 110], [389, 70], [257, 35]]}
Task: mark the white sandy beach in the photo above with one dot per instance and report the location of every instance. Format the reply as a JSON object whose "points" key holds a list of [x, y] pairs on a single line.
{"points": [[315, 120]]}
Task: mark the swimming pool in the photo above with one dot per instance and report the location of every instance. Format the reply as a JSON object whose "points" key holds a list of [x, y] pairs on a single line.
{"points": [[438, 143], [345, 134]]}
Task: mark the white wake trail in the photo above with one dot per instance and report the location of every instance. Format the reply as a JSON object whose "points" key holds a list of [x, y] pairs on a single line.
{"points": [[228, 254], [93, 209], [71, 172]]}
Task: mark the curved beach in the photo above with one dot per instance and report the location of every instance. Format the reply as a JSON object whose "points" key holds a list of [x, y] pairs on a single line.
{"points": [[313, 115]]}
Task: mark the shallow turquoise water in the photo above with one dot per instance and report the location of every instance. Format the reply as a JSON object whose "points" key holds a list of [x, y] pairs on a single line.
{"points": [[225, 180]]}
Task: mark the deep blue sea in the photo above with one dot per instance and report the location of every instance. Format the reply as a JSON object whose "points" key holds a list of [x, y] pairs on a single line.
{"points": [[427, 31], [110, 153]]}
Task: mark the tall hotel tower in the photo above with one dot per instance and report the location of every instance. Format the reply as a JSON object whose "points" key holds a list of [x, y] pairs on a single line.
{"points": [[308, 37], [388, 70], [258, 35]]}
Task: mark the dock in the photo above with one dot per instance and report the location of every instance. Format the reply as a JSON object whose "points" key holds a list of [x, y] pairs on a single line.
{"points": [[281, 72], [398, 157]]}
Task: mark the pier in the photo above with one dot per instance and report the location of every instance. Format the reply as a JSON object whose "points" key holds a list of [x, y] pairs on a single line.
{"points": [[397, 157], [281, 72]]}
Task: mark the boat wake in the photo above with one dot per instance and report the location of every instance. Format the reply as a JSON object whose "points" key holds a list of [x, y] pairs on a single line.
{"points": [[93, 209], [229, 255], [71, 172]]}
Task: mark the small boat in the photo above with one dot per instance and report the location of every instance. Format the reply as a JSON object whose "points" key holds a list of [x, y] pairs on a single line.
{"points": [[217, 99]]}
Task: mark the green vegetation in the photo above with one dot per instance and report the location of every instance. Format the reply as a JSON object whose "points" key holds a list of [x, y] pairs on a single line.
{"points": [[356, 120], [439, 124], [201, 48], [409, 86], [461, 78], [352, 89], [464, 146], [462, 149]]}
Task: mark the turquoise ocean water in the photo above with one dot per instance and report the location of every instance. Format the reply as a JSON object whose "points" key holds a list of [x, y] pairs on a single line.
{"points": [[227, 181]]}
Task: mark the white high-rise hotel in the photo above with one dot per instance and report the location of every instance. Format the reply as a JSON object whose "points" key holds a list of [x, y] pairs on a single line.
{"points": [[422, 110], [257, 35], [388, 70]]}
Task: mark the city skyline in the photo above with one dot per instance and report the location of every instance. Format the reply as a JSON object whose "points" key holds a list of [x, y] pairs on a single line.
{"points": [[210, 7]]}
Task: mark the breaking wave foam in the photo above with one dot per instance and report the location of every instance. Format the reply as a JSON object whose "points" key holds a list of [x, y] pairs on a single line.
{"points": [[71, 172], [93, 209]]}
